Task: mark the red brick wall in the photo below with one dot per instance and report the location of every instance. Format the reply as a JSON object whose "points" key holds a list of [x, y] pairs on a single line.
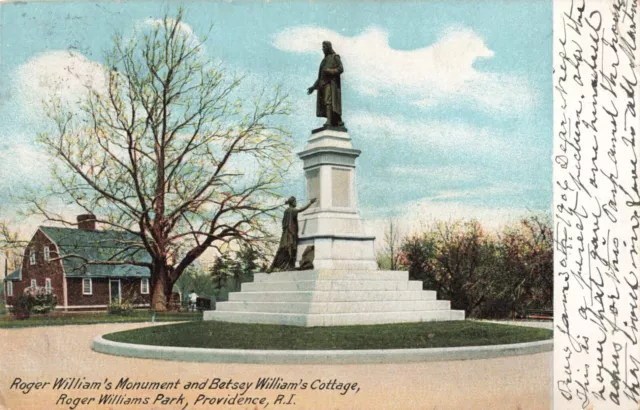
{"points": [[129, 288], [41, 269], [99, 292]]}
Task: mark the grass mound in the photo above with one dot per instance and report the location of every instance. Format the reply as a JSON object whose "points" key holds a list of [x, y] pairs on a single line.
{"points": [[222, 335]]}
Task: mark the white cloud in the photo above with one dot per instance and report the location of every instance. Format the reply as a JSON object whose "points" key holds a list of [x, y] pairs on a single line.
{"points": [[417, 216], [65, 75], [22, 164], [446, 139], [485, 191], [431, 133], [68, 75], [439, 73], [443, 173], [182, 28]]}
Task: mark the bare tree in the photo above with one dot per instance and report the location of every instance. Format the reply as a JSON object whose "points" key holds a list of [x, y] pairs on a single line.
{"points": [[11, 245], [168, 154], [392, 244], [9, 239]]}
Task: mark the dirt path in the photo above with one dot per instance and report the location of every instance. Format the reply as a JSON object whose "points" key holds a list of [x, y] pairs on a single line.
{"points": [[42, 354]]}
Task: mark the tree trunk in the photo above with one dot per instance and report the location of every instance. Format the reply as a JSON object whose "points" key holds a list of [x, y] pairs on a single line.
{"points": [[159, 298]]}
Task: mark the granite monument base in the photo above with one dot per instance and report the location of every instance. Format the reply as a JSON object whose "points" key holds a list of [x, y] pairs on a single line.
{"points": [[324, 297]]}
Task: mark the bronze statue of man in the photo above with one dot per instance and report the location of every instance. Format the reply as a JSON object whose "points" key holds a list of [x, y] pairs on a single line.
{"points": [[285, 258], [329, 99]]}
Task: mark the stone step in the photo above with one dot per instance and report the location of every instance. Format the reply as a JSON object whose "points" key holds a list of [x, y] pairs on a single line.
{"points": [[336, 319], [334, 296], [330, 275], [333, 307], [326, 284]]}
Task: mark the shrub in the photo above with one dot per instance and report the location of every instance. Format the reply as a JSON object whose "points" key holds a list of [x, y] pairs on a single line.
{"points": [[454, 259], [487, 275], [21, 307], [524, 273], [37, 300], [125, 306], [122, 308], [44, 301]]}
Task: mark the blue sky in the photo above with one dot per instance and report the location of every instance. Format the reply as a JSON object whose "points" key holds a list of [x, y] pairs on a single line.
{"points": [[450, 102]]}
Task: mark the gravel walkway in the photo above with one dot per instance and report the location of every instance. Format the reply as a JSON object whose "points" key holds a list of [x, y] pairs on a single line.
{"points": [[42, 354]]}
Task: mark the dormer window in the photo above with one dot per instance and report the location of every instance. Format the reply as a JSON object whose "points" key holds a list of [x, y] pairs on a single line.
{"points": [[47, 254], [32, 257]]}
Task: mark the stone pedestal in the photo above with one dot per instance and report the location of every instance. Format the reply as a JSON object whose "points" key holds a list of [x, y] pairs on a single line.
{"points": [[345, 287], [333, 298], [332, 224]]}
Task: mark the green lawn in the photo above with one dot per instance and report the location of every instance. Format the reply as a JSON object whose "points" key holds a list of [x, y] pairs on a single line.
{"points": [[272, 337], [85, 318]]}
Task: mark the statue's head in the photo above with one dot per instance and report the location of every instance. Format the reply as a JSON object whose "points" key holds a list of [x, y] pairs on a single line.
{"points": [[327, 48], [291, 201]]}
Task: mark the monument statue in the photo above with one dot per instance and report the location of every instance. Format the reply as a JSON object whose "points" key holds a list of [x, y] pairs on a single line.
{"points": [[329, 98], [285, 258], [306, 262]]}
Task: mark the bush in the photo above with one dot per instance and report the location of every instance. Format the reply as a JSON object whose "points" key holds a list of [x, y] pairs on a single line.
{"points": [[524, 274], [21, 307], [487, 275], [125, 306], [44, 302], [454, 259], [122, 308], [34, 300]]}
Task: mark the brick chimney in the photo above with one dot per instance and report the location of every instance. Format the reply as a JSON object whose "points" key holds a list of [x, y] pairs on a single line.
{"points": [[87, 222]]}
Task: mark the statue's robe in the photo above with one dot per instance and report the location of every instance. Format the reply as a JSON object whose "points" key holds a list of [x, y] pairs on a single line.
{"points": [[328, 86], [285, 258]]}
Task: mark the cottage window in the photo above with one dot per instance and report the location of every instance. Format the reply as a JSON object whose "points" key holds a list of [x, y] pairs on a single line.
{"points": [[34, 284], [144, 286], [47, 284], [32, 257], [87, 288], [46, 254], [9, 288]]}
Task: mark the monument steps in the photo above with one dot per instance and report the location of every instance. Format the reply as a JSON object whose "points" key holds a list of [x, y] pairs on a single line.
{"points": [[334, 307], [333, 298], [334, 319]]}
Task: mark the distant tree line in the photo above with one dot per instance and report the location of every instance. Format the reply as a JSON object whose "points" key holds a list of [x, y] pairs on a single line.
{"points": [[489, 275], [229, 271]]}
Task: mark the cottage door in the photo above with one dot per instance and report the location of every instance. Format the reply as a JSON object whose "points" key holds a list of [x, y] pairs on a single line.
{"points": [[114, 291]]}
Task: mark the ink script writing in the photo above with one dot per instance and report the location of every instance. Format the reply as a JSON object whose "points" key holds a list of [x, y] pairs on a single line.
{"points": [[596, 205]]}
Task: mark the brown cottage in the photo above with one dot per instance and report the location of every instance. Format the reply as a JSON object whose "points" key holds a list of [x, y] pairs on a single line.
{"points": [[56, 259]]}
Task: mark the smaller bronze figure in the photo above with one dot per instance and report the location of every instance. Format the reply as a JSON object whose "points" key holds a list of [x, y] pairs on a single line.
{"points": [[285, 258], [306, 262], [329, 100]]}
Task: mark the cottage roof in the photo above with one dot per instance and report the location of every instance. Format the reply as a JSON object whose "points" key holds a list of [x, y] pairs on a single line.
{"points": [[15, 275], [98, 246]]}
